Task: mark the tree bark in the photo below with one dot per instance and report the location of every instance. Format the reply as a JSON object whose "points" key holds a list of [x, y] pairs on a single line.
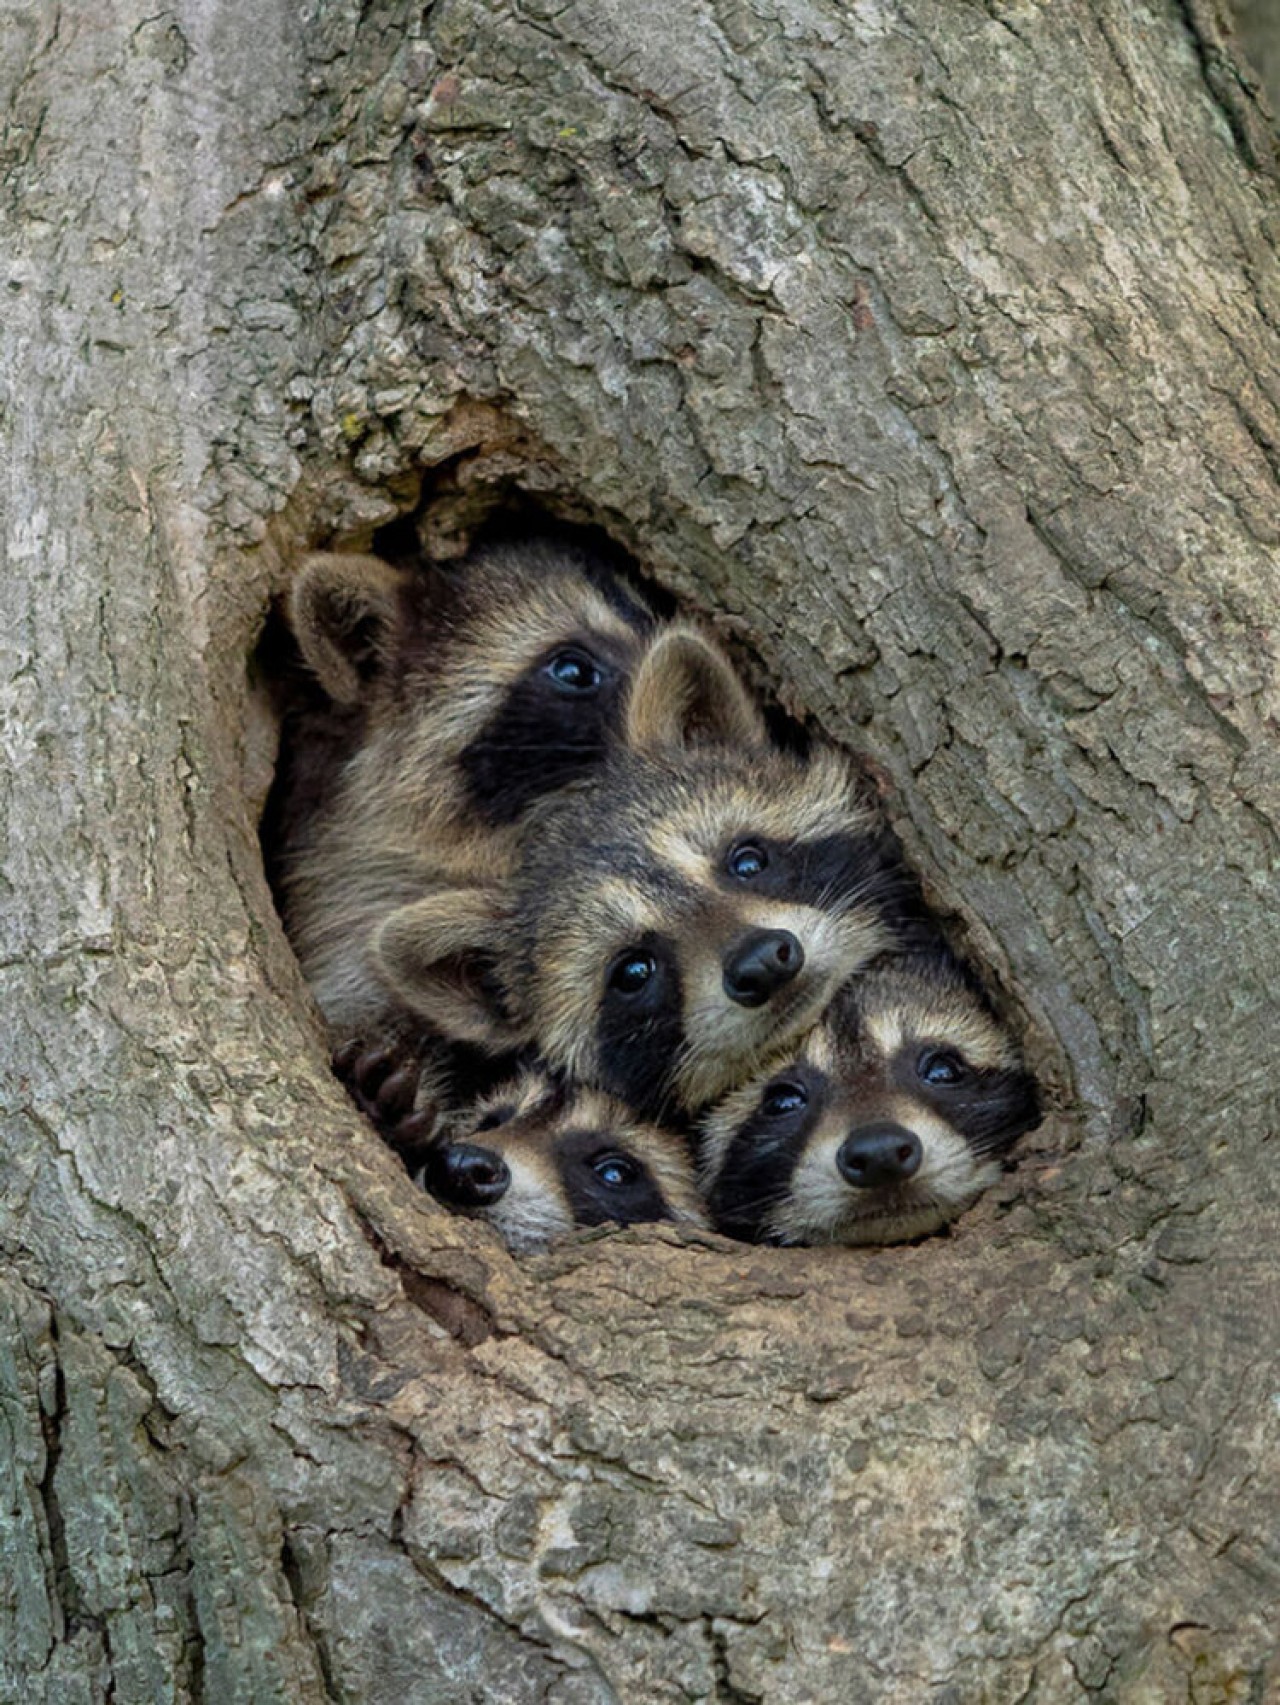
{"points": [[1258, 23], [930, 351]]}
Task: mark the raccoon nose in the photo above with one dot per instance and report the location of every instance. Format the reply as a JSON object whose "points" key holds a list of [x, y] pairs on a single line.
{"points": [[761, 963], [464, 1175], [879, 1154]]}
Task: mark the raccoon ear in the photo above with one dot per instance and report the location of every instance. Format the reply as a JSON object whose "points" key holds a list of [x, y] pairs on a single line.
{"points": [[345, 611], [438, 955], [685, 693]]}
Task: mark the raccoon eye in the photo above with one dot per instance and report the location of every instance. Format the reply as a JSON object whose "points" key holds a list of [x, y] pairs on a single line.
{"points": [[941, 1068], [494, 1117], [615, 1170], [573, 673], [631, 972], [746, 860], [783, 1098]]}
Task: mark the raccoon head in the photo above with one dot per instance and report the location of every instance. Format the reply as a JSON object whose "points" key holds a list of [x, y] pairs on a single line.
{"points": [[694, 903], [699, 901], [535, 1160], [449, 955], [510, 669], [886, 1122], [471, 693]]}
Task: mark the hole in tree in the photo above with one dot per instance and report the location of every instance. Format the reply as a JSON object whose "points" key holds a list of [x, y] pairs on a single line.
{"points": [[324, 727]]}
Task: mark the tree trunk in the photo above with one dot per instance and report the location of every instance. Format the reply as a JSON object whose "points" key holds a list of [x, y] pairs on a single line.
{"points": [[930, 350]]}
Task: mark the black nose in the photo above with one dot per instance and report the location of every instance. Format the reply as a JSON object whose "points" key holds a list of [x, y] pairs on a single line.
{"points": [[761, 963], [464, 1175], [879, 1154]]}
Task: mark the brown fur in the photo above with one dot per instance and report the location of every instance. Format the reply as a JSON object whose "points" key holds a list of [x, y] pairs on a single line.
{"points": [[344, 611], [638, 850], [688, 695], [428, 662], [548, 1138], [774, 1176], [437, 955]]}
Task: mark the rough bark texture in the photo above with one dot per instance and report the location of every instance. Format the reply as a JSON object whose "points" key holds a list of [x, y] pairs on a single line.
{"points": [[1258, 22], [931, 350]]}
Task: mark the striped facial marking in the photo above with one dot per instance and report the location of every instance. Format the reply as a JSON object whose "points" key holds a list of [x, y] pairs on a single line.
{"points": [[544, 1160], [889, 1120]]}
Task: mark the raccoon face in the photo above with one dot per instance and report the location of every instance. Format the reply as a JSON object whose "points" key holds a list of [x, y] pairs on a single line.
{"points": [[535, 1161], [885, 1123], [472, 693], [500, 680], [457, 956], [689, 912], [542, 681]]}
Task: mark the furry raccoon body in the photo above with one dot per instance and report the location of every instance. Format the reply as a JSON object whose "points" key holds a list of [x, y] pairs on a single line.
{"points": [[455, 700]]}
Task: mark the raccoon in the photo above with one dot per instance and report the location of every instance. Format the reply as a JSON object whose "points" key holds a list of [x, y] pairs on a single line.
{"points": [[455, 699], [887, 1120], [535, 1160], [684, 911]]}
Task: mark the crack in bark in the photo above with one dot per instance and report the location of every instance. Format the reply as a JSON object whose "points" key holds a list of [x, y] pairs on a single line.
{"points": [[560, 1634], [1211, 33], [463, 1316], [1152, 622], [291, 1570], [66, 1590], [726, 1692]]}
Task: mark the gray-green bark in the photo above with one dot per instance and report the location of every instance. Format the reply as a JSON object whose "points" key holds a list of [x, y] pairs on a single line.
{"points": [[931, 350]]}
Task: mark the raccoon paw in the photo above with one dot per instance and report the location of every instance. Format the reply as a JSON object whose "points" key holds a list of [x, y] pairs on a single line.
{"points": [[387, 1082]]}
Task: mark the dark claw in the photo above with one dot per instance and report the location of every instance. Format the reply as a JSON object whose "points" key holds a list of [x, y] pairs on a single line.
{"points": [[363, 1071], [395, 1097], [413, 1138], [344, 1059], [383, 1082], [415, 1131], [371, 1069]]}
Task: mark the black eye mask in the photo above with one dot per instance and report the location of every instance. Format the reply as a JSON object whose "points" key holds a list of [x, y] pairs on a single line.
{"points": [[640, 1027], [603, 1180], [989, 1108], [551, 728], [758, 1164], [814, 872]]}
